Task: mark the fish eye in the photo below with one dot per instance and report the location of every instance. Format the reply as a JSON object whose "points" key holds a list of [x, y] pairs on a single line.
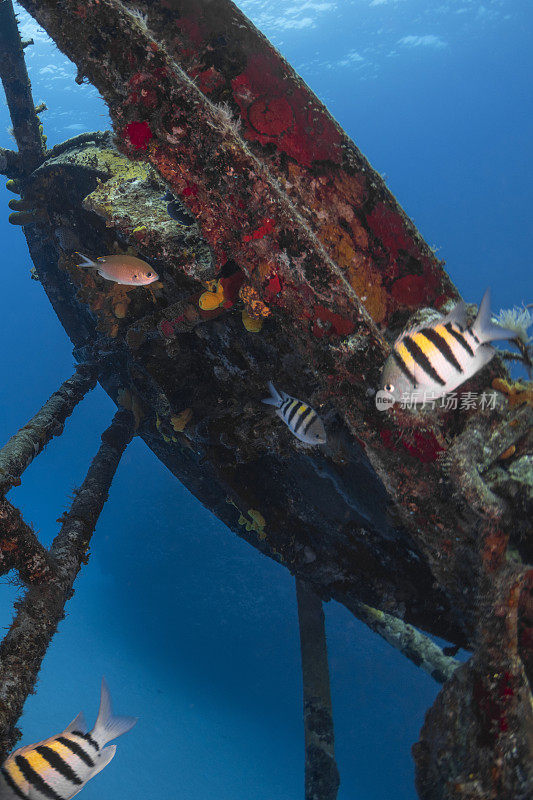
{"points": [[389, 387], [149, 274]]}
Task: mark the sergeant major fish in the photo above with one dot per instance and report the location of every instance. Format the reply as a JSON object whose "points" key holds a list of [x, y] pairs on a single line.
{"points": [[127, 270], [59, 767], [435, 359], [300, 418]]}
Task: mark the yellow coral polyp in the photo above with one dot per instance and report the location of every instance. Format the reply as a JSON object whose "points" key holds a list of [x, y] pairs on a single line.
{"points": [[120, 310], [132, 403], [209, 301], [252, 324], [180, 421], [255, 523]]}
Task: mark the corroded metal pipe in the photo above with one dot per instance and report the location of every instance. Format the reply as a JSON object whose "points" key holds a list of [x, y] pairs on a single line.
{"points": [[14, 76], [20, 548], [321, 772], [413, 644], [29, 441], [43, 607]]}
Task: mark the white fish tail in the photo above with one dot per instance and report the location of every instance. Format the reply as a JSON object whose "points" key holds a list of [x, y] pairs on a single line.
{"points": [[107, 726], [275, 398], [485, 329], [87, 262]]}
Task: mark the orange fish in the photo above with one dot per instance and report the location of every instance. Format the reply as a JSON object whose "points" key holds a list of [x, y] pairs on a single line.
{"points": [[127, 270]]}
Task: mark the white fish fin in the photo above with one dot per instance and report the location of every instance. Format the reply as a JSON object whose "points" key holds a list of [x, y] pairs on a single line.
{"points": [[103, 274], [484, 354], [399, 338], [87, 262], [77, 791], [107, 755], [275, 398], [485, 329], [408, 332], [457, 315], [108, 727], [77, 724]]}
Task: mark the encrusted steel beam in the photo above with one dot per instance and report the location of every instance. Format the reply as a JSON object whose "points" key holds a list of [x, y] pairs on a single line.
{"points": [[41, 610], [20, 450], [321, 772], [413, 644], [14, 76], [20, 548]]}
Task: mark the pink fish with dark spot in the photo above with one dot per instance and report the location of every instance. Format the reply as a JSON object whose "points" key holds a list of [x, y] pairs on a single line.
{"points": [[127, 270]]}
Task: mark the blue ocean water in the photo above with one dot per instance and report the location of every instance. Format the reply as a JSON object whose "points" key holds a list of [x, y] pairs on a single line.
{"points": [[195, 631]]}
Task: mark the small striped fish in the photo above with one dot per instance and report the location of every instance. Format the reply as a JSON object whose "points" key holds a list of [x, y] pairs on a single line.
{"points": [[435, 359], [59, 767], [301, 419]]}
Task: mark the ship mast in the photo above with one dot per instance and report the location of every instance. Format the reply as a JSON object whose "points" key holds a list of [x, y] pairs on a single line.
{"points": [[27, 128]]}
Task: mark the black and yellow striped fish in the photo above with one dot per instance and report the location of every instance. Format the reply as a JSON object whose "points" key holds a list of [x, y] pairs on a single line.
{"points": [[300, 418], [433, 360], [59, 767]]}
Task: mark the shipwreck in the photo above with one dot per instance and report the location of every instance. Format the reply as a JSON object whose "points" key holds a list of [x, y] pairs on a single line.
{"points": [[284, 248]]}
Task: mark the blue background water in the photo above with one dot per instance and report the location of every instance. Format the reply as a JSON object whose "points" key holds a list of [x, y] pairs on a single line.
{"points": [[195, 631]]}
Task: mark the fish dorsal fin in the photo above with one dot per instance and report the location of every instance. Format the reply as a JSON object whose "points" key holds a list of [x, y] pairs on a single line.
{"points": [[408, 332], [456, 315], [77, 724]]}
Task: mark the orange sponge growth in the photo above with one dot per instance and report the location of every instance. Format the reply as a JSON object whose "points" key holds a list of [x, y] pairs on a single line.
{"points": [[517, 393], [213, 298], [252, 324], [253, 304]]}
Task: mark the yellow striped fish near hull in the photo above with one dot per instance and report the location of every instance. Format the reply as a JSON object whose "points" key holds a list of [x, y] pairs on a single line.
{"points": [[301, 419], [431, 361], [55, 769], [59, 767], [440, 362]]}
